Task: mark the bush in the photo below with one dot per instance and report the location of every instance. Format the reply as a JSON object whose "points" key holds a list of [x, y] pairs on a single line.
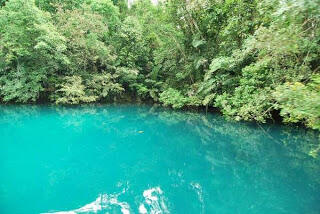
{"points": [[72, 91], [299, 102]]}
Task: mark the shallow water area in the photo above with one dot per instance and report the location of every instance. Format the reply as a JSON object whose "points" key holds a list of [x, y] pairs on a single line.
{"points": [[145, 159]]}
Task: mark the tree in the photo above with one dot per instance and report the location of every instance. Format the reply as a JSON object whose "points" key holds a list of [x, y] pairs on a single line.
{"points": [[31, 50]]}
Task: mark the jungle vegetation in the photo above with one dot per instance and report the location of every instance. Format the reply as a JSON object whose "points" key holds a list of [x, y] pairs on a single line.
{"points": [[250, 59]]}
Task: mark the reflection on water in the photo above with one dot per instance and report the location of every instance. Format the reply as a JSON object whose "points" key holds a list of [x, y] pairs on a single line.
{"points": [[142, 159]]}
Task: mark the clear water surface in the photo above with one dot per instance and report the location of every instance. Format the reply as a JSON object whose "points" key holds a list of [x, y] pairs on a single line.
{"points": [[144, 159]]}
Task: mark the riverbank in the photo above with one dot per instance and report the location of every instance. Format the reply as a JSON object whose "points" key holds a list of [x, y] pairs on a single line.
{"points": [[253, 61]]}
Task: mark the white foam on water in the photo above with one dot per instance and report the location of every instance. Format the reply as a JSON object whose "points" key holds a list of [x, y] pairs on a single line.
{"points": [[142, 209], [103, 202], [154, 201], [62, 212], [198, 189]]}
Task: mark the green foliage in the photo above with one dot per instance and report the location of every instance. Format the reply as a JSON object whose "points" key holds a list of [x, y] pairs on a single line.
{"points": [[84, 31], [51, 5], [131, 48], [175, 99], [285, 50], [2, 2], [299, 102], [172, 97], [31, 49], [108, 11], [104, 86], [72, 91], [21, 86]]}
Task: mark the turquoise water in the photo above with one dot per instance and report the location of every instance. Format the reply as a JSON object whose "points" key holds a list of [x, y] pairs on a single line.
{"points": [[143, 159]]}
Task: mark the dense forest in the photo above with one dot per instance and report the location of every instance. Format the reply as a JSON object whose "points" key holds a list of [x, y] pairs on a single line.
{"points": [[249, 59]]}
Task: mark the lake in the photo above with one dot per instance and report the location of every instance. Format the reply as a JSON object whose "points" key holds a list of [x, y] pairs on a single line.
{"points": [[148, 159]]}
